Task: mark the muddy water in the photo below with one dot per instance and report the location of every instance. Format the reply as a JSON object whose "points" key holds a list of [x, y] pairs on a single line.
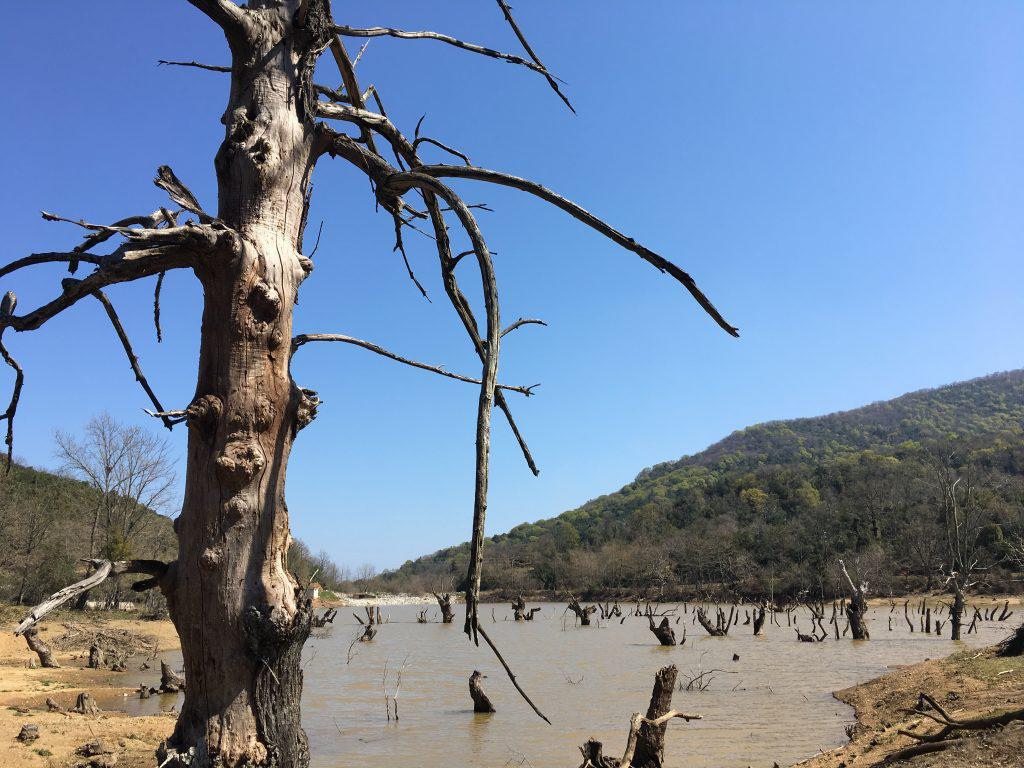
{"points": [[773, 704]]}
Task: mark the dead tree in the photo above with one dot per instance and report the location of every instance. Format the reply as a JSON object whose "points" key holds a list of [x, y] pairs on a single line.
{"points": [[326, 618], [645, 744], [722, 623], [95, 657], [583, 613], [241, 615], [444, 600], [857, 608], [481, 703], [664, 632], [421, 617], [85, 705], [170, 681], [759, 613], [519, 609], [40, 648]]}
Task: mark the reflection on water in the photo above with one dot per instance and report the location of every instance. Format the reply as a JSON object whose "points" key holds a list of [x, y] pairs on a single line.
{"points": [[774, 704]]}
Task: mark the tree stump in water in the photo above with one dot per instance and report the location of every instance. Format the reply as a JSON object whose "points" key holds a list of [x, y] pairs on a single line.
{"points": [[41, 649], [759, 620], [645, 746], [583, 614], [531, 613], [327, 618], [721, 626], [663, 631], [519, 609], [170, 681], [95, 657], [480, 701], [369, 632], [421, 617], [650, 745], [445, 602], [857, 608]]}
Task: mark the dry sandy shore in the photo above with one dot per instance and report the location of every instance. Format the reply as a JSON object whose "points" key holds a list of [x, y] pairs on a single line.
{"points": [[132, 739]]}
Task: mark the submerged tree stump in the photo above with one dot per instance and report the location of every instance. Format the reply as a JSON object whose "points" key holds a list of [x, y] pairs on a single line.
{"points": [[650, 745], [444, 601], [481, 703], [41, 649], [519, 609], [722, 623], [857, 608], [369, 632], [759, 620], [583, 614], [645, 745], [170, 681], [663, 631]]}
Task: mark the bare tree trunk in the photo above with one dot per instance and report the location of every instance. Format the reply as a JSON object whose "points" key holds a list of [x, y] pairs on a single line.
{"points": [[235, 605], [41, 649], [481, 703], [857, 608], [650, 746], [956, 612], [444, 601]]}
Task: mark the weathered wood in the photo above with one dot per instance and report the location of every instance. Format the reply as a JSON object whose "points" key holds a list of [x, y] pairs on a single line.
{"points": [[645, 744], [582, 613], [857, 608], [663, 631], [759, 613], [650, 745], [95, 657], [170, 681], [41, 649], [481, 702], [444, 601], [85, 705]]}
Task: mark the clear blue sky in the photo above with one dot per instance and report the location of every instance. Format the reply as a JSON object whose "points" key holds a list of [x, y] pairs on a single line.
{"points": [[844, 179]]}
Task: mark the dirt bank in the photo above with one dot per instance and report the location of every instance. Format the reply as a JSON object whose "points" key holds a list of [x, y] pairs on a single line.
{"points": [[23, 692], [966, 684]]}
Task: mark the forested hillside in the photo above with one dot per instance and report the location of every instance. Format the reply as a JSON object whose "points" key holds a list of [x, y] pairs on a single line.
{"points": [[46, 524], [771, 507]]}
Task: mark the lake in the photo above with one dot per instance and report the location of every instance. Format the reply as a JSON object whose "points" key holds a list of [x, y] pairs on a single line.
{"points": [[773, 704]]}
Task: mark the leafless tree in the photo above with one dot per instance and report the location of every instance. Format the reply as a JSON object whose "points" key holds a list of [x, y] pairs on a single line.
{"points": [[132, 472], [960, 490], [236, 607]]}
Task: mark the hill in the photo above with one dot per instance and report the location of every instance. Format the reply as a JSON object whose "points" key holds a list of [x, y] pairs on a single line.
{"points": [[771, 507]]}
